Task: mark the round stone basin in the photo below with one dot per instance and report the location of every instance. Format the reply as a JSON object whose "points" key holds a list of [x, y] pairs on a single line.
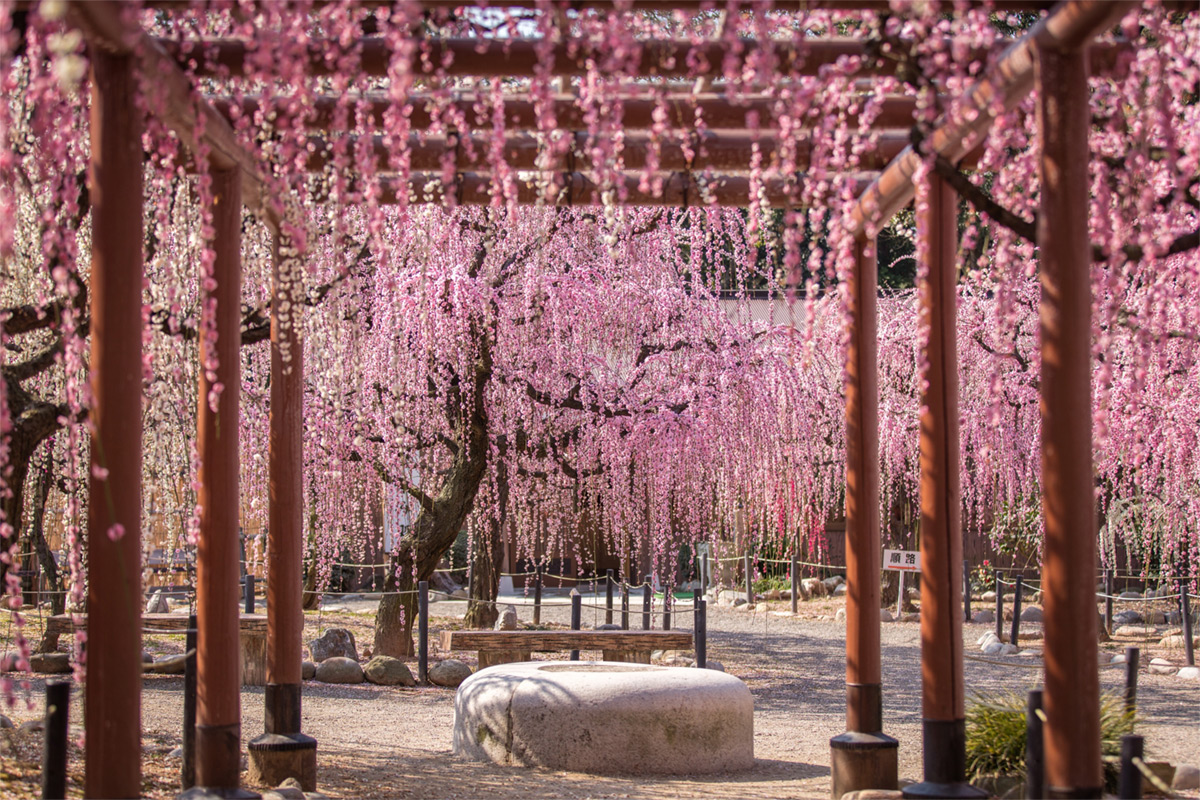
{"points": [[605, 718]]}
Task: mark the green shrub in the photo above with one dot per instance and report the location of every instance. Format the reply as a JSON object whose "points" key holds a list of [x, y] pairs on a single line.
{"points": [[996, 733], [770, 582]]}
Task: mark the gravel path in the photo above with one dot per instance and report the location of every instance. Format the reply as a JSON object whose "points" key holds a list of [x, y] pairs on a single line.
{"points": [[383, 742]]}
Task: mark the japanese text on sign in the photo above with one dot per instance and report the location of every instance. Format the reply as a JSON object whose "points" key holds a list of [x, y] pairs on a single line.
{"points": [[902, 560]]}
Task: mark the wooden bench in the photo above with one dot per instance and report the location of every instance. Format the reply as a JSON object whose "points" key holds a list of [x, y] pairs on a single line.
{"points": [[252, 638], [502, 647]]}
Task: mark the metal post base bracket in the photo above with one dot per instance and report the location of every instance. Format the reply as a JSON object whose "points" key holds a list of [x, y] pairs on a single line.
{"points": [[863, 761], [275, 757]]}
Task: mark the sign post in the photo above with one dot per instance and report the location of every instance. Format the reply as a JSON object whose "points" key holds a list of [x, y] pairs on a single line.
{"points": [[901, 561]]}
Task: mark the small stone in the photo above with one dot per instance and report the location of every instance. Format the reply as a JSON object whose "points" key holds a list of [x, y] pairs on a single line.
{"points": [[508, 619], [729, 597], [717, 665], [1130, 595], [157, 604], [1155, 617], [1119, 658], [988, 597], [993, 648], [839, 578], [1187, 776], [841, 590], [1190, 673], [1127, 617], [308, 670], [169, 665], [449, 672], [830, 585], [32, 726], [678, 661], [812, 587], [339, 670], [1177, 641], [984, 616], [740, 601], [1009, 650], [176, 753], [283, 793], [50, 663], [335, 643], [885, 615], [911, 616], [459, 594], [987, 638], [840, 616], [5, 723], [388, 671], [147, 658], [1160, 666], [774, 594], [1159, 662], [290, 783], [1031, 614], [1134, 630], [608, 626]]}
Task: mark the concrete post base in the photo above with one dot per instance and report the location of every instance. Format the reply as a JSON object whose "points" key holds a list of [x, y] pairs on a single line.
{"points": [[863, 761], [209, 793], [275, 757]]}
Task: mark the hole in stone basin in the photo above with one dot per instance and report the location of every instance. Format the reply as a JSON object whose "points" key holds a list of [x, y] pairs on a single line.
{"points": [[596, 668]]}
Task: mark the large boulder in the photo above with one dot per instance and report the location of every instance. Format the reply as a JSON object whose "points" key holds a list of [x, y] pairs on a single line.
{"points": [[308, 670], [1031, 614], [1128, 616], [443, 582], [507, 621], [336, 643], [388, 671], [812, 587], [339, 669], [169, 665], [449, 672]]}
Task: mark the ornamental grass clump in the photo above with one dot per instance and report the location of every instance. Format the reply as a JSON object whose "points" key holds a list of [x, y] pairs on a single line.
{"points": [[996, 734]]}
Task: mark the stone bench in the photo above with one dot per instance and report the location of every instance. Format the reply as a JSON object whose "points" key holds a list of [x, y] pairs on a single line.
{"points": [[503, 647], [605, 718], [252, 638]]}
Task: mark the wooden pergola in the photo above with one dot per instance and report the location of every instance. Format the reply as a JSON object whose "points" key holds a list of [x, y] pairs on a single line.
{"points": [[1053, 58]]}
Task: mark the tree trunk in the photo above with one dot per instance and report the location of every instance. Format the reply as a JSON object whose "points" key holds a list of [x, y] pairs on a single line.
{"points": [[397, 612], [37, 538], [487, 561]]}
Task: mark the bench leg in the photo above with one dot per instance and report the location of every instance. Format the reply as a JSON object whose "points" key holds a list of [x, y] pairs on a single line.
{"points": [[490, 658]]}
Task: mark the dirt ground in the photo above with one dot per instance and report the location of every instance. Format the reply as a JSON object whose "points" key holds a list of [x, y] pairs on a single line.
{"points": [[379, 742]]}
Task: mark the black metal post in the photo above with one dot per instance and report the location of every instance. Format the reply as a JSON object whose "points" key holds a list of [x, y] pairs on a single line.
{"points": [[999, 592], [624, 606], [608, 598], [423, 631], [749, 582], [1129, 785], [966, 590], [1109, 587], [576, 617], [54, 742], [1016, 620], [1185, 608], [537, 594], [187, 777], [667, 608], [795, 584], [701, 633], [704, 575], [1035, 765], [1132, 656], [249, 593], [647, 599]]}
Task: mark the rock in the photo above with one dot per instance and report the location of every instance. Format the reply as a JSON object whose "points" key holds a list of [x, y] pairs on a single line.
{"points": [[1174, 617], [993, 648], [1119, 658], [813, 587], [336, 643], [841, 590], [1177, 641], [388, 671], [176, 753], [32, 726], [308, 670], [785, 594], [1009, 650], [157, 604], [729, 597], [147, 658], [1134, 630], [830, 585], [1187, 776], [290, 783], [283, 793], [1029, 654], [169, 665], [339, 669], [885, 615], [508, 619], [608, 626], [839, 578], [1103, 658], [678, 661], [840, 616], [1130, 595], [1160, 666], [983, 617], [1155, 617], [1031, 614], [50, 663], [459, 594], [1127, 617], [986, 638], [1190, 673], [874, 794], [717, 665], [5, 723], [774, 594], [450, 672], [910, 616], [442, 582], [988, 597]]}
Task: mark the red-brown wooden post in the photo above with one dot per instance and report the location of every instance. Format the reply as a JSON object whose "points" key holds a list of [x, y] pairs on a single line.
{"points": [[283, 751], [942, 709], [863, 757], [1072, 694], [113, 712], [218, 663]]}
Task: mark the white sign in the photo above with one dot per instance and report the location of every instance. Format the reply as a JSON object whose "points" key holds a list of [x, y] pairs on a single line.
{"points": [[902, 560]]}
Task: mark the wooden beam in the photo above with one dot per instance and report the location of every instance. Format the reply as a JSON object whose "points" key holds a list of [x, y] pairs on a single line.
{"points": [[1069, 24], [104, 26]]}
